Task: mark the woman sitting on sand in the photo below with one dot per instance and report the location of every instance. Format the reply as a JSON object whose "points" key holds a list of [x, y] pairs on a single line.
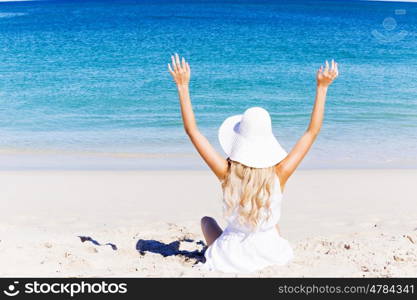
{"points": [[252, 177]]}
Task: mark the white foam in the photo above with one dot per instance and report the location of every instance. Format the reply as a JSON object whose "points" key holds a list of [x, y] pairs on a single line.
{"points": [[11, 15]]}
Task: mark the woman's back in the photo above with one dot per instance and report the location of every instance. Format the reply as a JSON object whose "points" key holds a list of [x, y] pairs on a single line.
{"points": [[270, 222], [242, 248]]}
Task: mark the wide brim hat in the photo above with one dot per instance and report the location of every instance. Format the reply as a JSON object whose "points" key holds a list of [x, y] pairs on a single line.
{"points": [[249, 140]]}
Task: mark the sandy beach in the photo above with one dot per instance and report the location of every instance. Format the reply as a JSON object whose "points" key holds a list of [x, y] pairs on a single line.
{"points": [[360, 223]]}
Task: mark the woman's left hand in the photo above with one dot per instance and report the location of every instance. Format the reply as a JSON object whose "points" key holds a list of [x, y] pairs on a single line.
{"points": [[180, 71], [326, 75]]}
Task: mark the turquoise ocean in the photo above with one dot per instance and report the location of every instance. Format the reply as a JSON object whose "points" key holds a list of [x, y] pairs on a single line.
{"points": [[84, 84]]}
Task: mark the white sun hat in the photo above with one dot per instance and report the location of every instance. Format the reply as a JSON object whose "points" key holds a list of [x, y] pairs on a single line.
{"points": [[249, 139]]}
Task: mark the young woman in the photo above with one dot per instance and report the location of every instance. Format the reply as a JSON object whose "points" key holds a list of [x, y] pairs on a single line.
{"points": [[253, 178]]}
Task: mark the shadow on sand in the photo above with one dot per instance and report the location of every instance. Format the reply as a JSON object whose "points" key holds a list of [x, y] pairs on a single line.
{"points": [[90, 239], [171, 249]]}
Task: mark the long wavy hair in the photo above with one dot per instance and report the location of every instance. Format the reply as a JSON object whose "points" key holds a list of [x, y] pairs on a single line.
{"points": [[247, 191]]}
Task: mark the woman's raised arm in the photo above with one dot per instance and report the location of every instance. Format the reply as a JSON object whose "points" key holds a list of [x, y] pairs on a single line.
{"points": [[287, 166], [181, 72]]}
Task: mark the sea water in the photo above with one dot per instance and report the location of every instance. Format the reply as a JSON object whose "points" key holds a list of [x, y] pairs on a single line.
{"points": [[84, 84]]}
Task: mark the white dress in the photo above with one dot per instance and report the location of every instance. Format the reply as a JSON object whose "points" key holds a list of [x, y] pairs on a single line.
{"points": [[242, 250]]}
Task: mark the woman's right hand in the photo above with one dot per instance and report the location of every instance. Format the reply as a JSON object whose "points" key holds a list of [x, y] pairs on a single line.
{"points": [[326, 76], [180, 71]]}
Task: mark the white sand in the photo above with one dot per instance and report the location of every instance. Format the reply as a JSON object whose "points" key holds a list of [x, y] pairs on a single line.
{"points": [[340, 222]]}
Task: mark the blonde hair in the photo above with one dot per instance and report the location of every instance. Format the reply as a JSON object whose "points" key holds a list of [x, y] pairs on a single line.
{"points": [[248, 191]]}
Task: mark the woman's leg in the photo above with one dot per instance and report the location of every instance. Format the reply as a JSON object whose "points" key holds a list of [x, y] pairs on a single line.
{"points": [[211, 230]]}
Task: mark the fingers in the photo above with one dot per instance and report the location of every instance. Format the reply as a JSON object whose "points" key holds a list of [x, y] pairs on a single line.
{"points": [[179, 70], [334, 71], [326, 69], [170, 70], [330, 70], [178, 65], [320, 70], [177, 61], [183, 65], [174, 65], [327, 74]]}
